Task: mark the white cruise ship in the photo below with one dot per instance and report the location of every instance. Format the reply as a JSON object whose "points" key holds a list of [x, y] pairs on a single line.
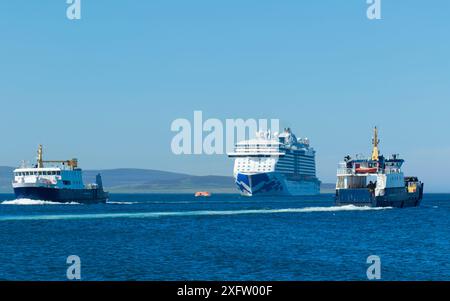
{"points": [[278, 164]]}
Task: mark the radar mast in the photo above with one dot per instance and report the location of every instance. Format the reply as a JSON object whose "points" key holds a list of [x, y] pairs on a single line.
{"points": [[375, 142]]}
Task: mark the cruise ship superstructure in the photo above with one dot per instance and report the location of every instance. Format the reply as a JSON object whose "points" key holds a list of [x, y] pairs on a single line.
{"points": [[275, 164]]}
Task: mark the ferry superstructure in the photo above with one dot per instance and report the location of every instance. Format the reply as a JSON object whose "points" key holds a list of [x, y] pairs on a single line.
{"points": [[278, 164], [376, 181], [62, 183]]}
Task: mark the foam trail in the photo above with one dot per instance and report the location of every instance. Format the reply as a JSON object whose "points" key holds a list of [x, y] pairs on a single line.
{"points": [[34, 202], [121, 203], [185, 213]]}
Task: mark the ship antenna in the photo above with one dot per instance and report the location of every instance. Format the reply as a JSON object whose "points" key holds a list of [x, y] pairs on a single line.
{"points": [[375, 141], [40, 160]]}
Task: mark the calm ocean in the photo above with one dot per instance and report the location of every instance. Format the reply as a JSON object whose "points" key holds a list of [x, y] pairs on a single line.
{"points": [[225, 237]]}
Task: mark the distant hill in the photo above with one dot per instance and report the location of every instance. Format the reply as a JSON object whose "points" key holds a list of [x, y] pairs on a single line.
{"points": [[5, 179], [327, 188], [129, 180], [143, 180]]}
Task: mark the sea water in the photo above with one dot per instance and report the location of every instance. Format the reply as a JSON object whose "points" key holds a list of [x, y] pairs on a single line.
{"points": [[224, 237]]}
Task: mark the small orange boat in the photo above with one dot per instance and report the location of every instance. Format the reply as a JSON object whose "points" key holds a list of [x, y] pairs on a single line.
{"points": [[202, 194]]}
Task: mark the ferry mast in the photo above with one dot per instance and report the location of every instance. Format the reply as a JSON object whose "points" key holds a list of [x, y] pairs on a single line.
{"points": [[375, 142]]}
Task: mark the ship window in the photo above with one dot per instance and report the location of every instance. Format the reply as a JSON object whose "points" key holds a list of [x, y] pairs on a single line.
{"points": [[58, 172], [66, 182]]}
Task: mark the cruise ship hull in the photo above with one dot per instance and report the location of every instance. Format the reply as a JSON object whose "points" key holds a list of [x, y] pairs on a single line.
{"points": [[275, 184], [82, 196], [393, 197]]}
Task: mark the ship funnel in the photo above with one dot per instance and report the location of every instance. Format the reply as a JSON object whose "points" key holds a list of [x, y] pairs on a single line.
{"points": [[40, 160], [98, 181]]}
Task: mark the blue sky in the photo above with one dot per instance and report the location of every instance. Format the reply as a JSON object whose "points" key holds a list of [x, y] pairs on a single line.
{"points": [[107, 87]]}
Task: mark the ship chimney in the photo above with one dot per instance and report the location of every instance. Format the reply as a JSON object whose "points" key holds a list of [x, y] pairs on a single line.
{"points": [[40, 161]]}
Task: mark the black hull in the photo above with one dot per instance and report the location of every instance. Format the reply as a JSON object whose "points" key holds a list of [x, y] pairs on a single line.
{"points": [[82, 196], [393, 197]]}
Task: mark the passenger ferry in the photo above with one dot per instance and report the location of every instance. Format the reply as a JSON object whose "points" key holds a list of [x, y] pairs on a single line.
{"points": [[62, 183], [376, 181], [278, 164]]}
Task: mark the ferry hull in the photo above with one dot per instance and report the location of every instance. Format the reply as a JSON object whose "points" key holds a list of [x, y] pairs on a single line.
{"points": [[393, 197], [82, 196], [274, 184]]}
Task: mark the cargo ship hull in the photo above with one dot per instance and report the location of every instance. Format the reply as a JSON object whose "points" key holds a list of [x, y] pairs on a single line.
{"points": [[393, 197], [82, 196]]}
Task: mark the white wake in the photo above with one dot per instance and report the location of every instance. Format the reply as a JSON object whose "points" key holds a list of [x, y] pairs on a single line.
{"points": [[188, 213], [34, 202]]}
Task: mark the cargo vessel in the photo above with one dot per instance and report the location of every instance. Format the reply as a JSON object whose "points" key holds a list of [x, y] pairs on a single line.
{"points": [[62, 183], [376, 181]]}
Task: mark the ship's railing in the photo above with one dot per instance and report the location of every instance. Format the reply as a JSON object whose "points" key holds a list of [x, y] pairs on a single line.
{"points": [[268, 149], [256, 150]]}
